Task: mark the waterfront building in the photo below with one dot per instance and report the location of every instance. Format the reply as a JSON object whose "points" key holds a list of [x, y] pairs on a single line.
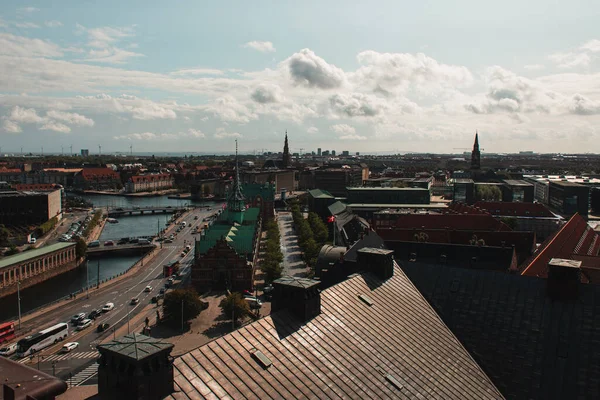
{"points": [[29, 208], [100, 178], [34, 266], [149, 183]]}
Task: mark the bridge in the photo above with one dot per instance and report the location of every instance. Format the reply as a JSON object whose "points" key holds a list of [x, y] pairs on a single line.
{"points": [[121, 211], [119, 249]]}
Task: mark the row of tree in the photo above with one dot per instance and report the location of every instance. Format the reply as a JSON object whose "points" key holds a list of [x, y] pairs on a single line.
{"points": [[312, 234], [271, 262]]}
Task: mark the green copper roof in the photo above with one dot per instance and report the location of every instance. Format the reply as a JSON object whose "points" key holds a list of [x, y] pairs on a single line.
{"points": [[30, 254], [265, 190], [320, 194]]}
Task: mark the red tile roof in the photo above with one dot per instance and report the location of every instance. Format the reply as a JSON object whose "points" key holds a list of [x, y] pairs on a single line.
{"points": [[99, 173], [5, 170], [575, 237], [451, 221], [35, 186], [514, 209]]}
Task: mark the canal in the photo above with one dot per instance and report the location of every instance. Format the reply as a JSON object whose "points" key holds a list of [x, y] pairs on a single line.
{"points": [[75, 280]]}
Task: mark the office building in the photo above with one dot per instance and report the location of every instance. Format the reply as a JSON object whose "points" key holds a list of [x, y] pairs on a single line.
{"points": [[85, 153]]}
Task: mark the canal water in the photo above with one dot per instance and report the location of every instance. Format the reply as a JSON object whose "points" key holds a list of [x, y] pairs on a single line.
{"points": [[76, 280]]}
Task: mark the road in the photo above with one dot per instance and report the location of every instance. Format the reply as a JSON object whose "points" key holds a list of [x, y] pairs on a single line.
{"points": [[292, 260], [120, 293]]}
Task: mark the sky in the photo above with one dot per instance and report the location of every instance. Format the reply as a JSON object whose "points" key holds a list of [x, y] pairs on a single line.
{"points": [[362, 76]]}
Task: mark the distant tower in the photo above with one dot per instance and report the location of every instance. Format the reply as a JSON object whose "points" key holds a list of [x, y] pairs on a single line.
{"points": [[286, 152], [236, 204], [475, 154]]}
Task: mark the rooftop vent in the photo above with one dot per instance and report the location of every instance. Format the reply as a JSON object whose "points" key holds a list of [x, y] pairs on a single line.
{"points": [[366, 300], [563, 279], [263, 360], [394, 382]]}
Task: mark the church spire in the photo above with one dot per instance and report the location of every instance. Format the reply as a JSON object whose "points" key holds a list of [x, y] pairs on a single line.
{"points": [[286, 152], [476, 154], [235, 200]]}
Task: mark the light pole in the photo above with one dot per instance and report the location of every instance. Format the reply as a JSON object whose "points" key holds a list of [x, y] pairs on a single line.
{"points": [[87, 271], [19, 301]]}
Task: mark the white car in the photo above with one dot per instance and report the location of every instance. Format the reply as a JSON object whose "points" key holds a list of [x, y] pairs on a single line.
{"points": [[32, 240], [108, 307], [8, 350], [148, 289], [69, 346], [86, 323]]}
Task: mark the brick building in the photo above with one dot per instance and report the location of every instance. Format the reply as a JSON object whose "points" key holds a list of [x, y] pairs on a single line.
{"points": [[149, 183], [101, 178], [30, 208]]}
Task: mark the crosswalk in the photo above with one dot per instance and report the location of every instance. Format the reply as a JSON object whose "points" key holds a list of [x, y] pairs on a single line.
{"points": [[62, 356], [82, 376]]}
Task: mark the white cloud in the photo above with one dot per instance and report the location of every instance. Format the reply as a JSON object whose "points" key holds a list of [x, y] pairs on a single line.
{"points": [[25, 115], [267, 93], [26, 25], [223, 134], [70, 118], [197, 71], [19, 46], [229, 109], [312, 130], [570, 60], [343, 129], [55, 126], [191, 133], [581, 105], [356, 105], [28, 10], [111, 55], [10, 126], [353, 137], [534, 67], [53, 24], [103, 44], [263, 47], [195, 133], [309, 70], [592, 46]]}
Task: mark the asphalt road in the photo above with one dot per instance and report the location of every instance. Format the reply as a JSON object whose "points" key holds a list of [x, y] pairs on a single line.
{"points": [[120, 293]]}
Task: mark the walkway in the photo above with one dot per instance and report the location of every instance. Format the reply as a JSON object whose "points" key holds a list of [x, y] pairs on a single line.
{"points": [[292, 260]]}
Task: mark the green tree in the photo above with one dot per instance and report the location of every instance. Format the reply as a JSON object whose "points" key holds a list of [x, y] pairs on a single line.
{"points": [[80, 248], [172, 306], [11, 250], [319, 229], [234, 305], [4, 234], [488, 193]]}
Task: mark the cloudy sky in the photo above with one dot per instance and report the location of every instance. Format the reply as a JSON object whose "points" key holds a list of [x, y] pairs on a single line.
{"points": [[361, 76]]}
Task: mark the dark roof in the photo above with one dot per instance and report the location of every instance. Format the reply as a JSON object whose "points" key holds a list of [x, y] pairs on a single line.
{"points": [[320, 194], [514, 209], [517, 182], [135, 345], [450, 221], [32, 382], [531, 347], [395, 348], [296, 282], [575, 237]]}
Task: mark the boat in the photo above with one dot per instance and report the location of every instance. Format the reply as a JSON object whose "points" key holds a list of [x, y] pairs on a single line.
{"points": [[112, 220]]}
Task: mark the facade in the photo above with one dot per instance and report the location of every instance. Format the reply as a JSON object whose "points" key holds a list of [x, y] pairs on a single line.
{"points": [[319, 202], [85, 152], [101, 178], [335, 179], [518, 191], [149, 183], [463, 190], [283, 179], [388, 196], [569, 198], [35, 266], [261, 196], [29, 208]]}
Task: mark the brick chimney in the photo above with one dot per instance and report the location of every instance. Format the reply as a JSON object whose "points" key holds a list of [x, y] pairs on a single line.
{"points": [[377, 261], [563, 279], [299, 295]]}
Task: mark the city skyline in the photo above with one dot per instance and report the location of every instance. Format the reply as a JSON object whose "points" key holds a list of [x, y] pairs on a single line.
{"points": [[392, 78]]}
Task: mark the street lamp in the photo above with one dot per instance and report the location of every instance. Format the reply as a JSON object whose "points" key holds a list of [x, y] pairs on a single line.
{"points": [[19, 301]]}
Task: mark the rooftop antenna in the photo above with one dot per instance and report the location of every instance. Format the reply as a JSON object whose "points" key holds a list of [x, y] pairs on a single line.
{"points": [[130, 149], [21, 151], [42, 151], [71, 150], [99, 150], [62, 150]]}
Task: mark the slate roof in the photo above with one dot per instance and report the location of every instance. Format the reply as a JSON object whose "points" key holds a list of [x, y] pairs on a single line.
{"points": [[575, 237], [396, 348], [320, 194], [451, 221], [514, 209], [135, 346], [531, 347]]}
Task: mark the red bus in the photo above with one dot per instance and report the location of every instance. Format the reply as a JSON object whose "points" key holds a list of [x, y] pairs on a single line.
{"points": [[7, 332], [171, 268]]}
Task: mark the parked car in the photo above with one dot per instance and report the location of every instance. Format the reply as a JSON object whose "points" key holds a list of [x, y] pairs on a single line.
{"points": [[84, 324], [148, 289], [95, 314], [143, 241], [134, 301], [69, 347], [77, 317], [183, 253], [123, 241], [108, 307], [268, 289], [253, 302], [94, 243], [196, 217], [109, 243], [170, 280], [9, 350], [102, 327], [169, 240]]}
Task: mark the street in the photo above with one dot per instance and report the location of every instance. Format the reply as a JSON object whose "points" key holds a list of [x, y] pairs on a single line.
{"points": [[80, 363], [293, 265]]}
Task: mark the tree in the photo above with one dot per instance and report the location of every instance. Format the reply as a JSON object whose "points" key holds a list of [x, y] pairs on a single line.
{"points": [[488, 193], [12, 250], [234, 305], [80, 248], [320, 231], [172, 306], [4, 234]]}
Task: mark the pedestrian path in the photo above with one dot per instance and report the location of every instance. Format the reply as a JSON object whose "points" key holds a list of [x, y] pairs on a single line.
{"points": [[68, 356], [83, 376]]}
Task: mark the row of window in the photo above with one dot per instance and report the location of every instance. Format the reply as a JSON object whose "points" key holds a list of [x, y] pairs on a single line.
{"points": [[35, 267]]}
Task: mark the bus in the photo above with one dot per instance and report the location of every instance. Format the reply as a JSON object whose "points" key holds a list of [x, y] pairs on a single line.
{"points": [[7, 332], [170, 268], [43, 339]]}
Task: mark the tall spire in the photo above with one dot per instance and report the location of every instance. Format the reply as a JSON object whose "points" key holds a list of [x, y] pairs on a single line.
{"points": [[235, 200], [475, 154], [286, 152]]}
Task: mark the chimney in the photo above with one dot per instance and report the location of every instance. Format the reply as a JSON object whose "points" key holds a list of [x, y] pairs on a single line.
{"points": [[377, 261], [8, 393], [301, 296], [563, 279]]}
